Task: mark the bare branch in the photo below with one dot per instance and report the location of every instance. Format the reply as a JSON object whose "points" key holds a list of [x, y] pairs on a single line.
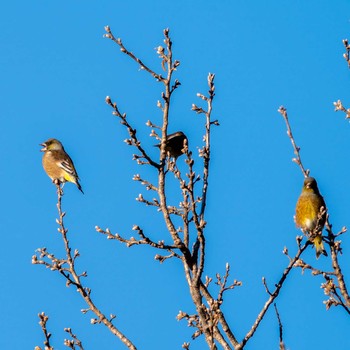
{"points": [[273, 295], [118, 41], [74, 342], [134, 141], [280, 327], [66, 267], [132, 241], [297, 160], [43, 320], [225, 327], [338, 106], [222, 283], [335, 250], [347, 53], [146, 183]]}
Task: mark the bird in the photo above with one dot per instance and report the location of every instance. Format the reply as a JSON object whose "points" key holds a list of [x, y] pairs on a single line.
{"points": [[174, 144], [308, 215], [57, 163]]}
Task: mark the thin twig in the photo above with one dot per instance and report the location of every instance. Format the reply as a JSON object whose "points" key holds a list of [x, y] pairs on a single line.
{"points": [[297, 160], [72, 343], [134, 141], [272, 296], [43, 320], [338, 106], [280, 327], [335, 249], [118, 41], [346, 55]]}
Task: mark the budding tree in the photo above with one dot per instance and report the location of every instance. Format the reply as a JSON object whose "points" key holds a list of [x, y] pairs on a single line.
{"points": [[185, 236]]}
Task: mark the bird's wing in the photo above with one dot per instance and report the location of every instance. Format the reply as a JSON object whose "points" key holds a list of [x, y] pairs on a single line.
{"points": [[68, 166]]}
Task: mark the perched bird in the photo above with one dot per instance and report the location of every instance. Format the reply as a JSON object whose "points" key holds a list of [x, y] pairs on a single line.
{"points": [[174, 144], [57, 163], [308, 211]]}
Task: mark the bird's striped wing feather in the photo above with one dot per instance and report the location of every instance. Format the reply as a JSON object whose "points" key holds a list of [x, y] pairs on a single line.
{"points": [[67, 165]]}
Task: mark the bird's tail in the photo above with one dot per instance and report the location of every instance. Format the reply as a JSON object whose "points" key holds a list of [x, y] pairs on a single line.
{"points": [[73, 178], [76, 181], [81, 190], [319, 246]]}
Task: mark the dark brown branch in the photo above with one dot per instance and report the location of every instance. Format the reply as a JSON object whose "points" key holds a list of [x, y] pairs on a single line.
{"points": [[134, 141], [280, 327]]}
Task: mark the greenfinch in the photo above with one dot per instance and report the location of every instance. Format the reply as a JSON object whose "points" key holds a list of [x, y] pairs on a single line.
{"points": [[57, 163], [309, 216]]}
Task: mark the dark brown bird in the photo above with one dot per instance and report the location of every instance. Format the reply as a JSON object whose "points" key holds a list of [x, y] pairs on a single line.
{"points": [[307, 213], [175, 143]]}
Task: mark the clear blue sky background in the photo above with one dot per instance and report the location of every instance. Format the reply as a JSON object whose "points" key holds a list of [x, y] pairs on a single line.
{"points": [[56, 70]]}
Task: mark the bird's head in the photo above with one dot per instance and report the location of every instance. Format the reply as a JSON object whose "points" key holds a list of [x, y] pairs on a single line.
{"points": [[51, 145], [310, 185]]}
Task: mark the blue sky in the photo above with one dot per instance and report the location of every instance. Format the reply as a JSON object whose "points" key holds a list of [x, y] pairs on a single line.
{"points": [[57, 69]]}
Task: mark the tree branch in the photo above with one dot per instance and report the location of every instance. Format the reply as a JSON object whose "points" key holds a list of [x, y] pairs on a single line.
{"points": [[272, 296], [43, 320], [66, 267], [297, 160]]}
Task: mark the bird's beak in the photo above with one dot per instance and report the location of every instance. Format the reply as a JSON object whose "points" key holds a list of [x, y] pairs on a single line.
{"points": [[44, 147]]}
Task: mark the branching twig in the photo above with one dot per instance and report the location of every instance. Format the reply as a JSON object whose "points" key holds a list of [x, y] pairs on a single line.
{"points": [[66, 267], [193, 263], [134, 141], [335, 250], [118, 41], [132, 241], [222, 283], [74, 342], [273, 296]]}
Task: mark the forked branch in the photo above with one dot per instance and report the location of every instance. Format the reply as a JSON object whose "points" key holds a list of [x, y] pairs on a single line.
{"points": [[66, 267]]}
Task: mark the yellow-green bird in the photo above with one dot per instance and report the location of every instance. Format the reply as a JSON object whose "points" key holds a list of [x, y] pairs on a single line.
{"points": [[307, 214], [57, 163], [174, 144]]}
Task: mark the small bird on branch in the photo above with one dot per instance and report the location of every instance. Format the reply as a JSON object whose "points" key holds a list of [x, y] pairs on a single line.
{"points": [[310, 214], [58, 165], [175, 144]]}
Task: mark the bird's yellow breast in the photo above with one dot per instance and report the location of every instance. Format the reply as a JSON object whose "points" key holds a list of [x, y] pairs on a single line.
{"points": [[307, 211]]}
